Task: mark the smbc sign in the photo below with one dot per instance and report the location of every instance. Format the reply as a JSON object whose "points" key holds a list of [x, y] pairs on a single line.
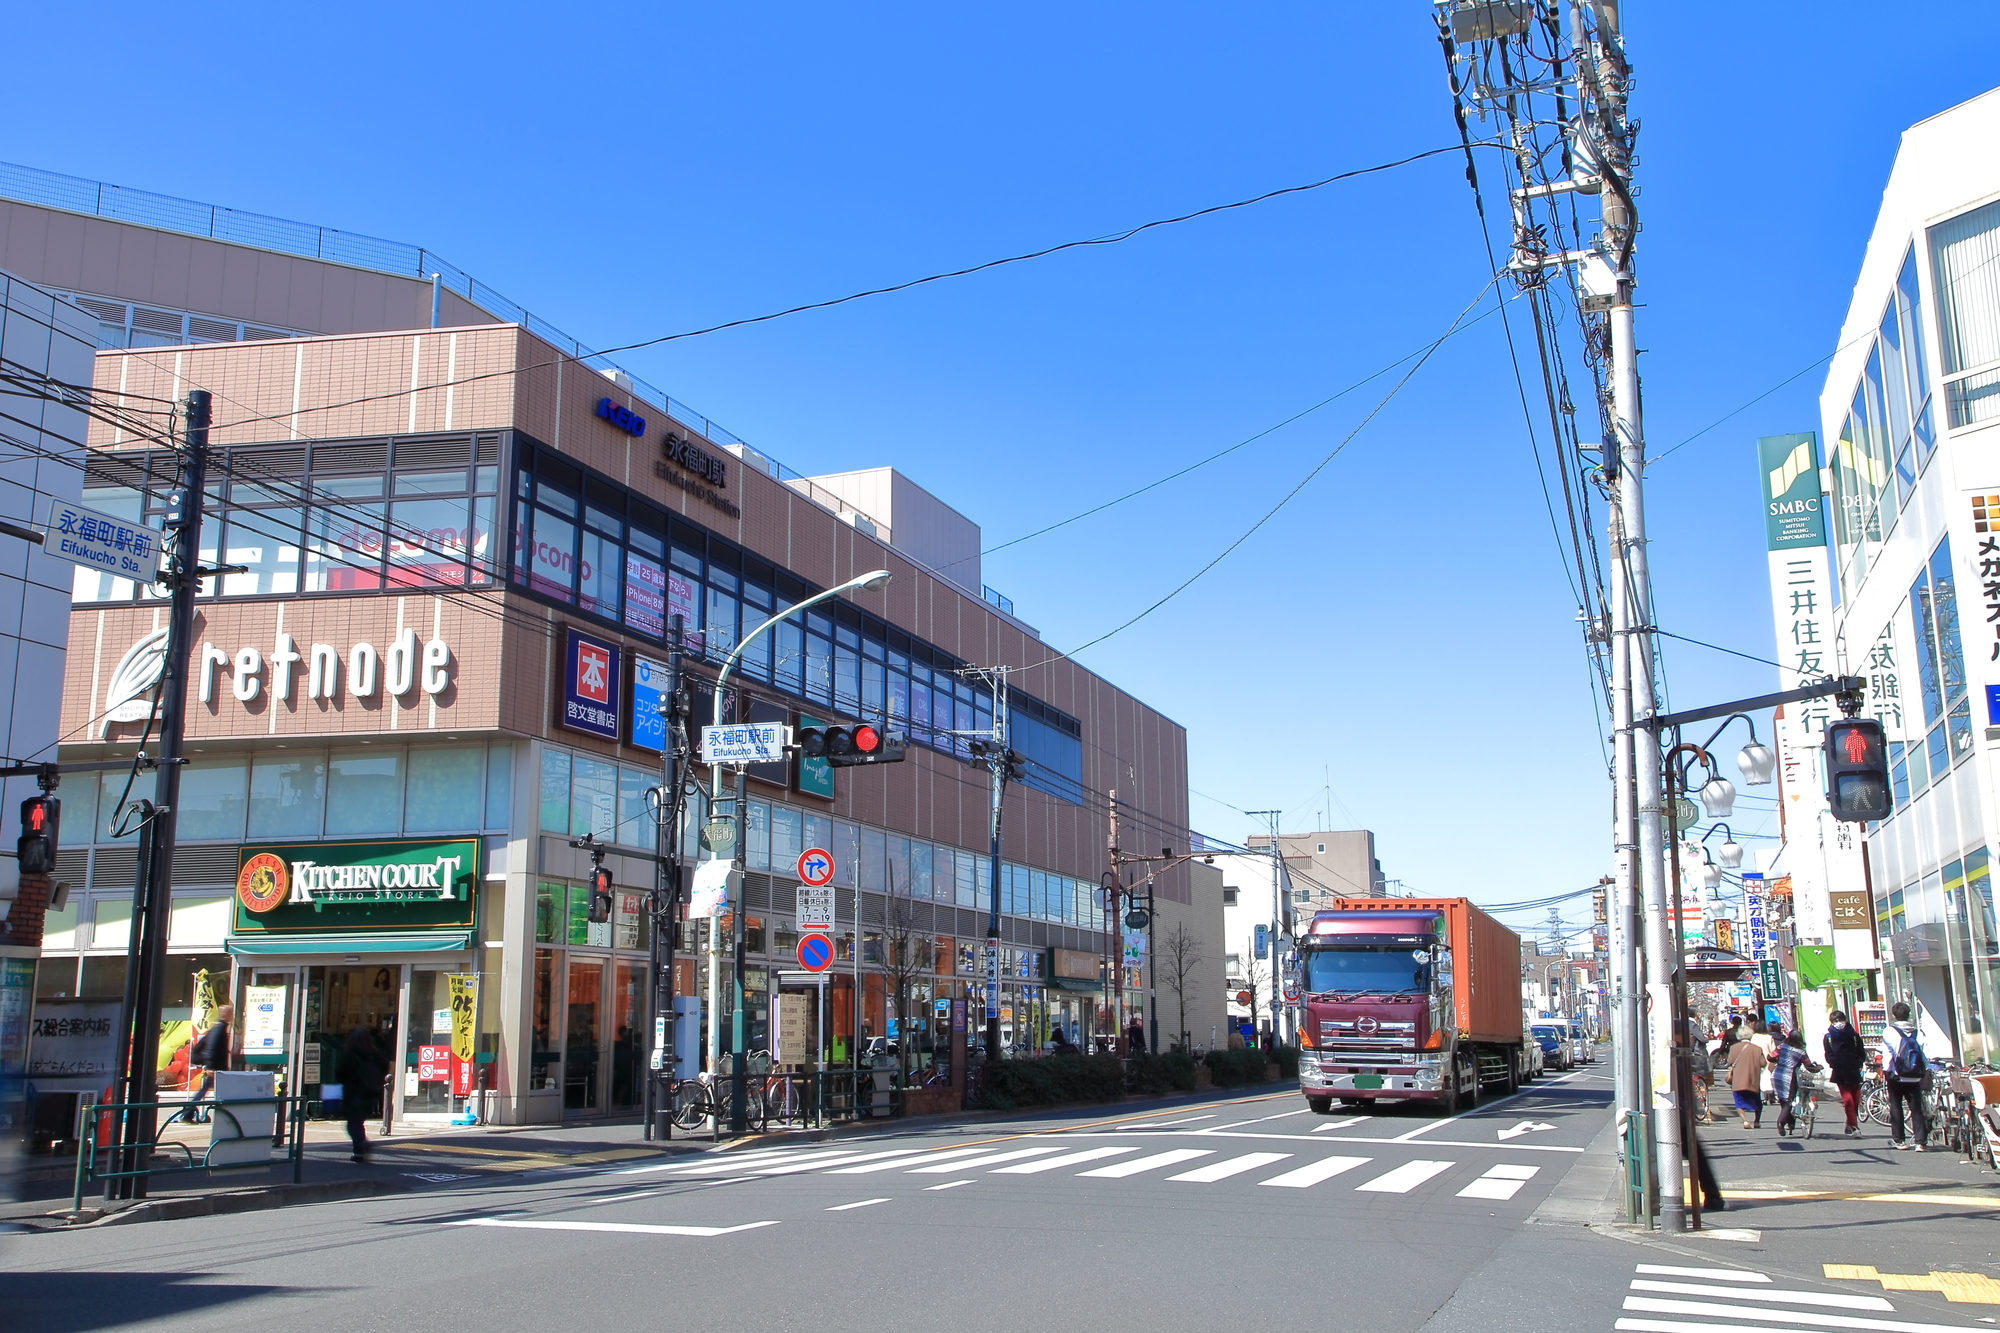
{"points": [[298, 888]]}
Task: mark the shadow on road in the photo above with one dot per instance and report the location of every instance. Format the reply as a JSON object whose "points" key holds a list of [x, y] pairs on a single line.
{"points": [[58, 1302]]}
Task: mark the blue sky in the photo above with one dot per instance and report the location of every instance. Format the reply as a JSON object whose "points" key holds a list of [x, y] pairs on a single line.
{"points": [[1396, 649]]}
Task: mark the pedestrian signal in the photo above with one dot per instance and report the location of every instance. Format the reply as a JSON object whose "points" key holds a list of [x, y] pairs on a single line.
{"points": [[41, 818], [1857, 769], [600, 896]]}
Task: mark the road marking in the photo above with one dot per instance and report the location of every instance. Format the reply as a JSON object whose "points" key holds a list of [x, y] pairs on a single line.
{"points": [[746, 1162], [1238, 1124], [1744, 1234], [948, 1185], [636, 1228], [708, 1163], [1231, 1166], [786, 1168], [1525, 1127], [1324, 1169], [1162, 1124], [1341, 1124], [1787, 1297], [1488, 1144], [1712, 1274], [1656, 1306], [843, 1207], [1120, 1170], [620, 1198], [1685, 1326], [1405, 1177], [906, 1159], [1068, 1159], [1501, 1182], [991, 1159]]}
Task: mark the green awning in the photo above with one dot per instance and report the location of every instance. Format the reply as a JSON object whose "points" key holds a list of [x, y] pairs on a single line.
{"points": [[1816, 967], [373, 941], [1072, 983]]}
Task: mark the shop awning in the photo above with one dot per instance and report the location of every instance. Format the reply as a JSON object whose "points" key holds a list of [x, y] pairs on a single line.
{"points": [[1072, 983], [372, 941]]}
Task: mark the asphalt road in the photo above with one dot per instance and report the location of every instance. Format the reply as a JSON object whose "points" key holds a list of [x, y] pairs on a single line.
{"points": [[1192, 1218]]}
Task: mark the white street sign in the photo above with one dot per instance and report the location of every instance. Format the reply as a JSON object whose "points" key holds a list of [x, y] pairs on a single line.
{"points": [[815, 907], [745, 743], [103, 542]]}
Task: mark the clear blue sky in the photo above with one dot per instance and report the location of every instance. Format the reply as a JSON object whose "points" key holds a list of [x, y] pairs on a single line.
{"points": [[1402, 635]]}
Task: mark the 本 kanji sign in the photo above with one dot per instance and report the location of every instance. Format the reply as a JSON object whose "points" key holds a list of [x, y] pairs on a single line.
{"points": [[120, 546], [590, 686]]}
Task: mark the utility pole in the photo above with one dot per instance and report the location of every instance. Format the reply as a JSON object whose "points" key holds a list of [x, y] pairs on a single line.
{"points": [[999, 765], [184, 513], [1114, 938], [666, 892], [1277, 911]]}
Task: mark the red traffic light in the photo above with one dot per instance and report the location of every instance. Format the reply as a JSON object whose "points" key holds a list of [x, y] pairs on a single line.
{"points": [[866, 739]]}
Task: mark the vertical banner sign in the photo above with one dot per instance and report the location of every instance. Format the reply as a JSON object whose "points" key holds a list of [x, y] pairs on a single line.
{"points": [[590, 701], [649, 684], [992, 981], [1753, 906], [464, 1011], [1802, 610]]}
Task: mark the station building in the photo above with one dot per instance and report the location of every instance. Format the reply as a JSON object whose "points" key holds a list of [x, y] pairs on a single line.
{"points": [[458, 539]]}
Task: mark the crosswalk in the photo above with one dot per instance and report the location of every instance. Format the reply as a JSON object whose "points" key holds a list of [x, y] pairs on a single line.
{"points": [[1055, 1158], [1666, 1298]]}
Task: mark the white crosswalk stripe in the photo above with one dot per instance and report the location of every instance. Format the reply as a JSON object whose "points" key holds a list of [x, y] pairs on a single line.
{"points": [[1405, 1177], [1726, 1313], [1325, 1169], [1067, 1159], [991, 1159], [1233, 1166], [1120, 1170], [1784, 1297], [1711, 1274], [902, 1160], [1502, 1182]]}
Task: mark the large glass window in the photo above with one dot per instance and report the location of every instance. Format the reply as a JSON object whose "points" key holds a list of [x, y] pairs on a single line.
{"points": [[1966, 271], [555, 791], [287, 796], [593, 798], [212, 799], [445, 793], [1940, 668], [364, 793]]}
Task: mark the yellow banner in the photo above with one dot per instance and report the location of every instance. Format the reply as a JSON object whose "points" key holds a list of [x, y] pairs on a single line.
{"points": [[464, 1009]]}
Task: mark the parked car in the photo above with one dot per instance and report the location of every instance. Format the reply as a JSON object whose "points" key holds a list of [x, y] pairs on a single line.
{"points": [[1555, 1048], [1582, 1049], [1531, 1060]]}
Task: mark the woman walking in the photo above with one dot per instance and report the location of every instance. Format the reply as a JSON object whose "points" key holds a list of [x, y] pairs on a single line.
{"points": [[1788, 1063], [1845, 1056], [1747, 1063]]}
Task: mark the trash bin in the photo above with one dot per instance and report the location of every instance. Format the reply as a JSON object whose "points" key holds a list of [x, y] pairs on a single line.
{"points": [[883, 1080]]}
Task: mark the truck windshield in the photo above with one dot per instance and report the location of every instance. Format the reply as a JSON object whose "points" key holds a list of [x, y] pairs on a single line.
{"points": [[1399, 971]]}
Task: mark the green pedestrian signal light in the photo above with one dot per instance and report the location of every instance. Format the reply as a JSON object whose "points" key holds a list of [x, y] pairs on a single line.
{"points": [[1857, 769]]}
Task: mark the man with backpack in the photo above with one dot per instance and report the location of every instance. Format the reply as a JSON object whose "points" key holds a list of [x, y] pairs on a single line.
{"points": [[1907, 1071]]}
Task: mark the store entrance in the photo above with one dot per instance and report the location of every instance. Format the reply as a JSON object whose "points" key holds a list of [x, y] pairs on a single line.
{"points": [[341, 999], [583, 1037]]}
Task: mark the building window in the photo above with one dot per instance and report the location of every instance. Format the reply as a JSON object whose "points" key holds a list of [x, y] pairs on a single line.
{"points": [[1967, 280], [1229, 897], [1940, 669], [1886, 438]]}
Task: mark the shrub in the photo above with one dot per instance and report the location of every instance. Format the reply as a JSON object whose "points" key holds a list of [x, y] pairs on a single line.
{"points": [[1288, 1061], [1235, 1069], [1172, 1072], [1051, 1081]]}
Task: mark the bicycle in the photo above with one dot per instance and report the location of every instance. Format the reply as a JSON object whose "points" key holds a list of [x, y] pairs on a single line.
{"points": [[1803, 1105]]}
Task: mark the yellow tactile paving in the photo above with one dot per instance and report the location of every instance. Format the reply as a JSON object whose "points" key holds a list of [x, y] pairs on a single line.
{"points": [[1966, 1288]]}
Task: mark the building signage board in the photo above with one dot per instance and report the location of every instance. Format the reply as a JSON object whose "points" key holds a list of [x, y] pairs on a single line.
{"points": [[815, 907], [591, 697], [104, 542], [332, 887], [711, 892], [73, 1040], [1758, 936], [649, 685], [745, 743], [815, 776]]}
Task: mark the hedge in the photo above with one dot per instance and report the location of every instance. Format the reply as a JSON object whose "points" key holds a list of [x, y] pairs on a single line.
{"points": [[1155, 1074], [1235, 1069], [1051, 1081]]}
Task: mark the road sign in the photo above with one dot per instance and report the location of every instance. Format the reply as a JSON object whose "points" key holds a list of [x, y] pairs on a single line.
{"points": [[103, 542], [815, 908], [816, 867], [745, 743], [815, 952]]}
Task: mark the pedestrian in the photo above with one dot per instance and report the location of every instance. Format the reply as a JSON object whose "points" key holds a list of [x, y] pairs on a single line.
{"points": [[1789, 1064], [211, 1052], [1747, 1063], [1700, 1068], [1767, 1040], [1907, 1071], [1728, 1038], [361, 1074], [1845, 1055]]}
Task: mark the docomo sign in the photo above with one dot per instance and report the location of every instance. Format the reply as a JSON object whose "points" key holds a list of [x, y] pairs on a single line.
{"points": [[408, 666]]}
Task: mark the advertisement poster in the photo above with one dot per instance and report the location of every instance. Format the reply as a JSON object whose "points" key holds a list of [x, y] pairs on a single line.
{"points": [[263, 1020]]}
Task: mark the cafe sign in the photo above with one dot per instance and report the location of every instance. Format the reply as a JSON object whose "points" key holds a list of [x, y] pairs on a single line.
{"points": [[342, 886]]}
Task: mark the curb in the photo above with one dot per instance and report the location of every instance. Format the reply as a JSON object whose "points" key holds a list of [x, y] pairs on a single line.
{"points": [[208, 1205]]}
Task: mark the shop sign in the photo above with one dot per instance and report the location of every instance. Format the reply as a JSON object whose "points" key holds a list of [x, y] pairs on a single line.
{"points": [[1075, 965], [649, 690], [624, 418], [72, 1039], [814, 776], [320, 887], [590, 686], [1850, 909]]}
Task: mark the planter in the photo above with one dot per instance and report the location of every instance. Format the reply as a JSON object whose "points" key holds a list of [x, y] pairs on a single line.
{"points": [[931, 1101]]}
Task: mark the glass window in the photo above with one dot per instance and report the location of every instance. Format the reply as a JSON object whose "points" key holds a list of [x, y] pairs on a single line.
{"points": [[846, 679], [555, 791], [480, 539], [445, 790], [545, 1036], [364, 792], [551, 555], [920, 712], [819, 831], [212, 800], [430, 483], [874, 856], [788, 668], [920, 870], [787, 830], [720, 624], [114, 797], [287, 796], [636, 827], [846, 851], [344, 548], [819, 669], [428, 543], [1967, 282], [600, 572], [898, 701], [500, 787], [266, 542], [646, 595], [899, 866], [1951, 658], [593, 797], [608, 524], [757, 841]]}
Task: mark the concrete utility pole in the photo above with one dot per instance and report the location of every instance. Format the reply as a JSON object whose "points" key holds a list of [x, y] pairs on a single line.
{"points": [[1001, 764], [666, 893]]}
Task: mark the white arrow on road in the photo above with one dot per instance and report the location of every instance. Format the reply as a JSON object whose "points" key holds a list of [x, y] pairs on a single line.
{"points": [[1525, 1127]]}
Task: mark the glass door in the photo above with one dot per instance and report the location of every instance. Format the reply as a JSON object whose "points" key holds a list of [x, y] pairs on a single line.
{"points": [[583, 1036], [629, 1039], [430, 1040]]}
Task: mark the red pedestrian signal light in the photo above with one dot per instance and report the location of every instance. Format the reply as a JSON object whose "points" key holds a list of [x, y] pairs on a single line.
{"points": [[600, 896], [1857, 770], [41, 824]]}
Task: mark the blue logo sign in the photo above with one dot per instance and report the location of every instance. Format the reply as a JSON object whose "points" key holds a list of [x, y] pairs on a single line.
{"points": [[815, 953], [1993, 705], [649, 684], [623, 418], [590, 686]]}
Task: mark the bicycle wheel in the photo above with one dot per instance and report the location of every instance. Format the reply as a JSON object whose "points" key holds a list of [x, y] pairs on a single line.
{"points": [[781, 1102], [689, 1103], [1808, 1109], [1875, 1104]]}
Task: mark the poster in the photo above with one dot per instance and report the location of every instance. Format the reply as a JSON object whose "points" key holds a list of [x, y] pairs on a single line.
{"points": [[263, 1020]]}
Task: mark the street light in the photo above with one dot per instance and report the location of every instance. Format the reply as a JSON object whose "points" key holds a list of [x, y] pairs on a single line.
{"points": [[1718, 797], [874, 581]]}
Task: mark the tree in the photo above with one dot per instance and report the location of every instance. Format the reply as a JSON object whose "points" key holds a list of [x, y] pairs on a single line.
{"points": [[1179, 958], [1256, 975], [907, 956]]}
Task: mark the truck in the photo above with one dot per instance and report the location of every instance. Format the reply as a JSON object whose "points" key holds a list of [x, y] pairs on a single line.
{"points": [[1407, 999]]}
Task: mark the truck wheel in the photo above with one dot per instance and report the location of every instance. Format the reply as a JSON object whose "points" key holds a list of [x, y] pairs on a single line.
{"points": [[1320, 1105], [1453, 1101], [1512, 1083]]}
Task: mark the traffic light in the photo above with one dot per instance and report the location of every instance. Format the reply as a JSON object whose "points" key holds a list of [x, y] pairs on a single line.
{"points": [[41, 818], [850, 747], [1857, 769], [600, 896]]}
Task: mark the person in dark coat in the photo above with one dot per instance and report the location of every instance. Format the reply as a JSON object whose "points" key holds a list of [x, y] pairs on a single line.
{"points": [[361, 1073], [1846, 1054], [211, 1051]]}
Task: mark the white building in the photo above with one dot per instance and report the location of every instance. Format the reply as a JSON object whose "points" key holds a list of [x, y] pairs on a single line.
{"points": [[1910, 417], [1256, 895]]}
